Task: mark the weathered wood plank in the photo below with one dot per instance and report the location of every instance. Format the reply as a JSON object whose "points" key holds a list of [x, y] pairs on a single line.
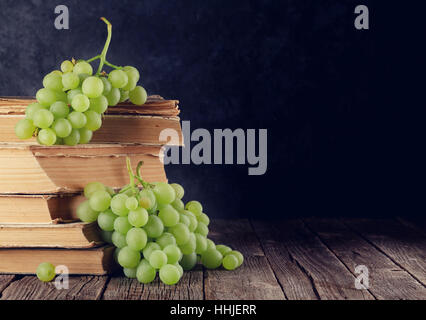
{"points": [[190, 287], [254, 280], [5, 280], [329, 277], [404, 245], [80, 288], [386, 280]]}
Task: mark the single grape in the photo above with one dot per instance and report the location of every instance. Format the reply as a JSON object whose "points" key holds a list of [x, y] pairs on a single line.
{"points": [[99, 104], [184, 219], [145, 273], [73, 139], [132, 72], [70, 81], [106, 220], [124, 95], [61, 96], [201, 243], [138, 218], [169, 274], [204, 219], [57, 72], [128, 258], [181, 233], [131, 85], [190, 246], [157, 259], [80, 103], [113, 97], [130, 273], [93, 87], [106, 236], [138, 96], [24, 129], [72, 93], [45, 272], [164, 193], [59, 110], [107, 86], [83, 67], [230, 262], [53, 81], [122, 225], [178, 205], [119, 240], [77, 119], [202, 229], [169, 216], [67, 66], [149, 248], [46, 97], [118, 78], [62, 128], [32, 109], [193, 222], [180, 192], [85, 213], [118, 205], [94, 120], [100, 201], [177, 265], [166, 239], [43, 119], [147, 193], [238, 255], [211, 244], [59, 141], [92, 187], [85, 135], [136, 239], [47, 137], [211, 259], [195, 207], [224, 250], [154, 228], [173, 253], [188, 261], [132, 203]]}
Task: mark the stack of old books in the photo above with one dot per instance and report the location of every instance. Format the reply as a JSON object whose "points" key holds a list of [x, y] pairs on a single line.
{"points": [[41, 187]]}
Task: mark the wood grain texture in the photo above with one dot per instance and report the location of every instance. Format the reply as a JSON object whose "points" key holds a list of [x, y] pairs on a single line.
{"points": [[330, 279], [80, 288], [5, 280], [385, 277], [254, 280]]}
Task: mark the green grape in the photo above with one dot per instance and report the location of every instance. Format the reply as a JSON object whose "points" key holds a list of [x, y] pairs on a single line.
{"points": [[177, 265], [138, 218], [47, 137], [157, 259], [100, 201], [203, 218], [122, 225], [73, 139], [124, 95], [136, 239], [169, 216], [118, 78], [154, 228], [145, 273], [53, 81], [107, 86], [72, 93], [193, 222], [45, 272], [93, 87], [224, 250], [85, 213], [211, 259], [128, 258], [62, 128], [173, 253], [67, 66], [130, 273], [83, 76], [85, 135], [118, 205], [188, 261], [93, 187], [190, 246], [83, 67], [169, 274], [238, 255], [99, 104], [113, 97], [46, 97], [138, 96], [201, 243], [181, 233], [80, 103], [106, 220], [119, 240], [184, 219], [195, 207], [59, 110], [32, 109], [210, 244], [59, 141], [178, 204], [147, 193], [57, 72], [180, 192], [149, 248], [132, 203], [61, 96], [106, 236], [166, 239], [110, 190], [230, 262], [131, 85], [70, 81], [132, 72], [24, 129], [202, 229], [43, 118], [94, 120], [164, 193], [77, 119]]}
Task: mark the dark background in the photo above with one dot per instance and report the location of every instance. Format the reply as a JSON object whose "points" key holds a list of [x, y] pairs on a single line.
{"points": [[344, 108]]}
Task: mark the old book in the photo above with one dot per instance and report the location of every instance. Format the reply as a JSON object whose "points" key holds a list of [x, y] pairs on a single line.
{"points": [[34, 169], [68, 235], [96, 261], [125, 123], [39, 209]]}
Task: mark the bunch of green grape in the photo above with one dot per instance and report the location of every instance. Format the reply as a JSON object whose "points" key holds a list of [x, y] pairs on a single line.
{"points": [[153, 230], [71, 104]]}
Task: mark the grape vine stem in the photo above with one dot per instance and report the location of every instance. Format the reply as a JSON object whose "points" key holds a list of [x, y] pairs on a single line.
{"points": [[107, 43]]}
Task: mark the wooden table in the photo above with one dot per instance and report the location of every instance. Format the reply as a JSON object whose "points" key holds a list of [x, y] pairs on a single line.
{"points": [[294, 259]]}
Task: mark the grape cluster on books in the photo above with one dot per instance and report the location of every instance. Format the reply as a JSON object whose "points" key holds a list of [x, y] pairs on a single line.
{"points": [[154, 231]]}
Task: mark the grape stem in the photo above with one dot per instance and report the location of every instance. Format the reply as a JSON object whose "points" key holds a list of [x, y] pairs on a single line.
{"points": [[112, 66], [105, 50], [132, 185], [94, 58]]}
